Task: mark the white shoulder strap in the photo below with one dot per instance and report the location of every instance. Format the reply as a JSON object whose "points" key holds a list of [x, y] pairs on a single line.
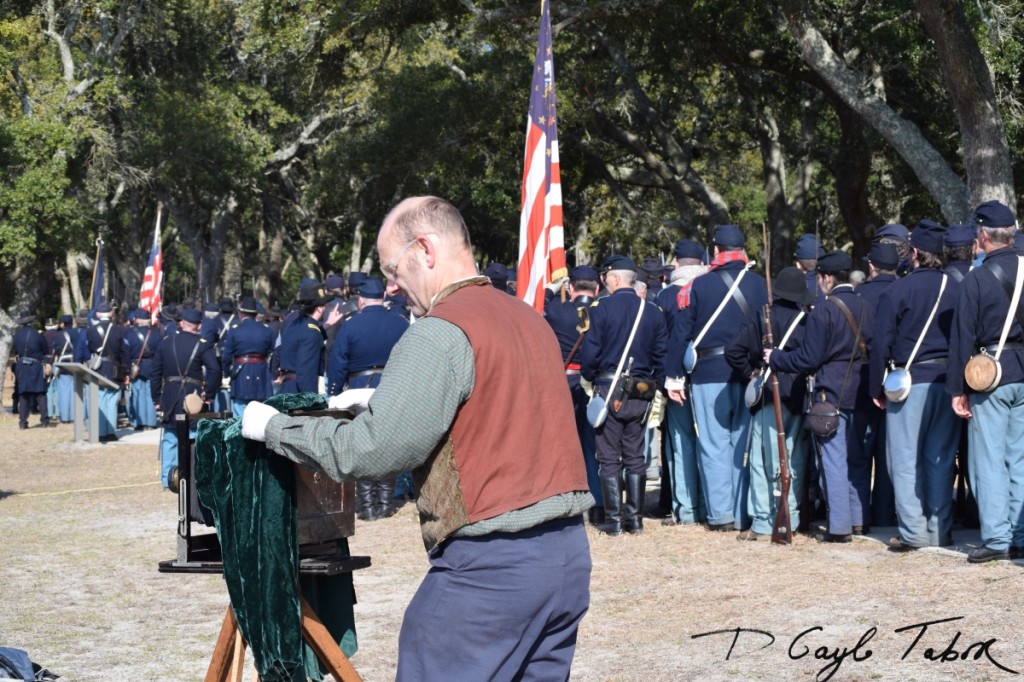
{"points": [[629, 342], [931, 316], [721, 306], [1011, 315]]}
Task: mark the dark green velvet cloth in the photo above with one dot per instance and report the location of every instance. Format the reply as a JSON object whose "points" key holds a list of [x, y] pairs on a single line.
{"points": [[251, 494]]}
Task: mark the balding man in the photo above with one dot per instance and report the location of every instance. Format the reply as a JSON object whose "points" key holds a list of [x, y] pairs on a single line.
{"points": [[476, 404]]}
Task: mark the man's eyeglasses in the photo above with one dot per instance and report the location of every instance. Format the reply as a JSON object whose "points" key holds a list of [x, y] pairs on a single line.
{"points": [[390, 268]]}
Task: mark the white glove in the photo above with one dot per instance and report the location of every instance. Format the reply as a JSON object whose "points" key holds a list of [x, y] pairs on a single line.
{"points": [[255, 419], [355, 400], [555, 286], [587, 386]]}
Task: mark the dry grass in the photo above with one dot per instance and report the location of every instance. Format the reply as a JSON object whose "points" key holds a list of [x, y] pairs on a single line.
{"points": [[81, 593]]}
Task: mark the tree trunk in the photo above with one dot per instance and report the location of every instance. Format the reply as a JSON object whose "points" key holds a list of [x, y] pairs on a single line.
{"points": [[969, 86], [852, 172], [74, 283], [357, 246], [945, 187]]}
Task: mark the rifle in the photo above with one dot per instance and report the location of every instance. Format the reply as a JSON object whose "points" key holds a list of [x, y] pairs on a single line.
{"points": [[782, 532]]}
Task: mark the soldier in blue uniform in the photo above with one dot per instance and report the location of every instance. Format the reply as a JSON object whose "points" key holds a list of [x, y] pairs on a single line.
{"points": [[64, 351], [745, 355], [565, 319], [104, 342], [620, 438], [958, 249], [882, 260], [245, 357], [834, 349], [359, 355], [498, 274], [302, 344], [51, 334], [335, 310], [365, 342], [184, 364], [996, 431], [721, 417], [218, 318], [168, 323], [141, 342], [808, 251], [679, 440], [31, 352], [921, 432], [899, 236]]}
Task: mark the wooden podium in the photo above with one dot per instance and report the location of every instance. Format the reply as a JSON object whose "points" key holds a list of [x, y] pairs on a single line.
{"points": [[85, 377]]}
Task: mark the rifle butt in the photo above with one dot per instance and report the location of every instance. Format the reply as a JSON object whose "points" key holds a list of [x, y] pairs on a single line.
{"points": [[782, 531]]}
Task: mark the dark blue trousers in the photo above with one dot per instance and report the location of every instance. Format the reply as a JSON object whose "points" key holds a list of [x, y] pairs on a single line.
{"points": [[504, 606]]}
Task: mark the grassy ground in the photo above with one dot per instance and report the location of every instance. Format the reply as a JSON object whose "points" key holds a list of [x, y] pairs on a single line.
{"points": [[82, 529]]}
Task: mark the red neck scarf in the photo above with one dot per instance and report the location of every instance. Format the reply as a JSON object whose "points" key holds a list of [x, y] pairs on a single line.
{"points": [[723, 257]]}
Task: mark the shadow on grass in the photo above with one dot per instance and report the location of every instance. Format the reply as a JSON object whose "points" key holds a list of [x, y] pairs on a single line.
{"points": [[7, 493]]}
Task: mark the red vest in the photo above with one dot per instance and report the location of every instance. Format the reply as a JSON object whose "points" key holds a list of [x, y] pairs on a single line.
{"points": [[514, 441]]}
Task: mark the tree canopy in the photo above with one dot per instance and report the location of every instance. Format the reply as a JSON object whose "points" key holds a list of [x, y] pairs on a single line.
{"points": [[277, 133]]}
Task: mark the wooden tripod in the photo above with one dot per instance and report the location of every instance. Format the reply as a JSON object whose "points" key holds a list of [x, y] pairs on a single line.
{"points": [[227, 663]]}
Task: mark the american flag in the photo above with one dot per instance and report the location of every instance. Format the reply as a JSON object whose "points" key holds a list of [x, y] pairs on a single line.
{"points": [[149, 296], [541, 236]]}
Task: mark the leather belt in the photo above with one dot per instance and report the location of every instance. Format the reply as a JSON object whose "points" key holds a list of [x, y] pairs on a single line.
{"points": [[184, 380], [711, 352], [285, 375], [605, 376], [572, 372], [1013, 345], [934, 361], [251, 359], [373, 371]]}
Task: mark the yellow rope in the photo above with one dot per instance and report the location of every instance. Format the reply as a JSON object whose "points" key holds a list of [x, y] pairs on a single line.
{"points": [[85, 490]]}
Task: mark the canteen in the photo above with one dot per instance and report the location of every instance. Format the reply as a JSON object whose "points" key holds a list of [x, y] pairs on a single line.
{"points": [[983, 372], [755, 387], [896, 385], [597, 411], [689, 357]]}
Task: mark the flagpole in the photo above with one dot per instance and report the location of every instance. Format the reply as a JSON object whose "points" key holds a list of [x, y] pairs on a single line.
{"points": [[95, 268]]}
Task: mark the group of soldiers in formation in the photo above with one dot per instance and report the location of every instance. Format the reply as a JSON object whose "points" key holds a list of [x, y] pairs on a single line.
{"points": [[675, 355], [878, 421], [336, 335]]}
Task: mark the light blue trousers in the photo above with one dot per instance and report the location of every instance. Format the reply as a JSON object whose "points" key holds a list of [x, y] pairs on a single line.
{"points": [[108, 410], [687, 500], [141, 411], [922, 434], [764, 467], [722, 422], [996, 465]]}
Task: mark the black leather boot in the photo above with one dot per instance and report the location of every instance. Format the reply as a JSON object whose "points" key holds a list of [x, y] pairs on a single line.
{"points": [[611, 490], [386, 498], [595, 515], [365, 501], [633, 511]]}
